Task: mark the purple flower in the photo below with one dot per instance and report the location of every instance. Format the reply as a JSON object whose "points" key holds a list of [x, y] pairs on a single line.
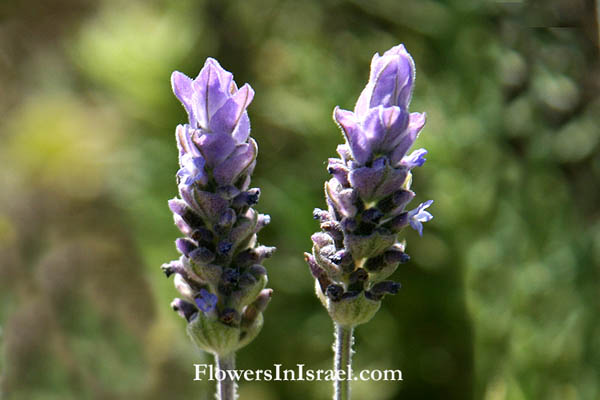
{"points": [[217, 158], [206, 301], [415, 159], [380, 122], [213, 101], [417, 216], [368, 193]]}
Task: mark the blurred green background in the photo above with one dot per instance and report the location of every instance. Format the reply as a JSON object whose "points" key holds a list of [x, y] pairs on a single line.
{"points": [[501, 299]]}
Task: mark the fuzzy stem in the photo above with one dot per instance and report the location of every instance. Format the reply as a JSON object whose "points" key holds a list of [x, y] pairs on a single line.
{"points": [[342, 360], [227, 388]]}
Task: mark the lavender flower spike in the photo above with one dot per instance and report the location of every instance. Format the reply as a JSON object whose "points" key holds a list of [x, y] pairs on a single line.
{"points": [[358, 248], [219, 274]]}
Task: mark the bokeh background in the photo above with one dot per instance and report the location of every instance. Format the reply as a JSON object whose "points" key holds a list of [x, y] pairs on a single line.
{"points": [[501, 299]]}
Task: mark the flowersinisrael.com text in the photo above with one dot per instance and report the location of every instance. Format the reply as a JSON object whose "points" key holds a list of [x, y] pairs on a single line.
{"points": [[277, 373]]}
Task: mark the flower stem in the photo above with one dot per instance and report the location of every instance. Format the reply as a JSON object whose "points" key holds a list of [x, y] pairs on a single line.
{"points": [[227, 388], [342, 361]]}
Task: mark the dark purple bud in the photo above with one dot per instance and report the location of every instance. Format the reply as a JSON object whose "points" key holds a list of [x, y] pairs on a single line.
{"points": [[382, 288], [395, 256], [230, 276], [339, 171], [202, 255], [185, 246], [181, 209], [228, 192], [334, 230], [350, 294], [402, 197], [224, 247], [246, 280], [252, 311], [183, 286], [168, 269], [317, 272], [203, 235], [184, 309], [396, 224], [344, 259], [334, 292], [178, 206], [246, 199], [372, 215], [321, 239], [263, 252], [257, 271], [374, 264], [263, 299], [263, 220], [174, 267], [229, 280], [321, 215], [343, 201], [397, 200], [227, 219], [349, 224], [360, 275], [253, 255], [357, 280], [182, 225], [230, 317]]}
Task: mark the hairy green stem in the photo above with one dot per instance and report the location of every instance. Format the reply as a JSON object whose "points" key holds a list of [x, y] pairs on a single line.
{"points": [[227, 388], [342, 361]]}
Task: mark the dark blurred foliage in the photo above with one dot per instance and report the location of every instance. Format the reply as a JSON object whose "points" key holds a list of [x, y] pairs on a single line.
{"points": [[500, 299]]}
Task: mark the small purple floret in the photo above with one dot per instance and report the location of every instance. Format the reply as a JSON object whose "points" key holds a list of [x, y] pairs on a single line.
{"points": [[206, 301], [419, 215]]}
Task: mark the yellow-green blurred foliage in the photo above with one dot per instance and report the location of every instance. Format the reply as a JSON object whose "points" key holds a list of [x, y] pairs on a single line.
{"points": [[501, 297]]}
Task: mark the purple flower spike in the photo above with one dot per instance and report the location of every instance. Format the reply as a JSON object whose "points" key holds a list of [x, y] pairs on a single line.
{"points": [[206, 301], [368, 194], [215, 212]]}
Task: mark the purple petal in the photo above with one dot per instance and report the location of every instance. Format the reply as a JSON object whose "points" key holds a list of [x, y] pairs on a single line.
{"points": [[177, 206], [405, 94], [363, 104], [242, 157], [393, 180], [415, 124], [182, 88], [183, 136], [341, 200], [366, 179], [344, 151], [228, 115], [242, 130], [419, 215], [382, 127], [392, 76], [215, 147], [415, 159], [359, 146], [210, 91], [185, 246], [395, 121], [339, 170], [192, 170]]}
